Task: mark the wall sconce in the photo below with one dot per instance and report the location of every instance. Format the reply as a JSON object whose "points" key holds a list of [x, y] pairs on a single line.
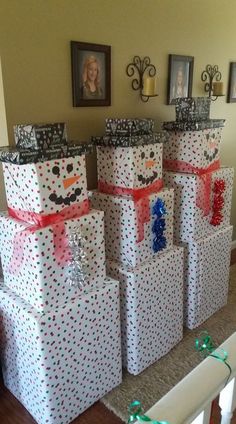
{"points": [[213, 88], [145, 83]]}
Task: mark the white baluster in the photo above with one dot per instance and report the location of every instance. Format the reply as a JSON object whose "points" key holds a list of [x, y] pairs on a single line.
{"points": [[227, 402], [204, 417]]}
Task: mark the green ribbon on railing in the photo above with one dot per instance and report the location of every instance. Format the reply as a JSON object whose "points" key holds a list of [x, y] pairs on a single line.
{"points": [[135, 410], [205, 345]]}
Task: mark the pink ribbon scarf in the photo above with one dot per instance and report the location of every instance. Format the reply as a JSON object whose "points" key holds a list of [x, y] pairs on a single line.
{"points": [[141, 201], [56, 220], [205, 180]]}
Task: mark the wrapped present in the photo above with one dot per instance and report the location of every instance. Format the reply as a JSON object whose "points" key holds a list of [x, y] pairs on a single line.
{"points": [[127, 127], [45, 188], [39, 136], [133, 231], [196, 202], [151, 308], [130, 140], [194, 152], [24, 156], [207, 262], [121, 169], [192, 108], [58, 364], [193, 125], [35, 261]]}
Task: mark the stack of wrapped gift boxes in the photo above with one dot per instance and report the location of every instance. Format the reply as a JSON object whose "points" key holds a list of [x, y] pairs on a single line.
{"points": [[139, 239], [203, 191], [60, 314]]}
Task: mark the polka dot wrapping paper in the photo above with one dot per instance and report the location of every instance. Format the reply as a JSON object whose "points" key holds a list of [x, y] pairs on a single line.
{"points": [[189, 221], [206, 276], [46, 187], [151, 308], [198, 149], [59, 363], [130, 167], [121, 226], [39, 280]]}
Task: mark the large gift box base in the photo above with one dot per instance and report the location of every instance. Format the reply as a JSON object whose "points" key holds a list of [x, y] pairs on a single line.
{"points": [[58, 364], [207, 262], [151, 308], [39, 279], [121, 225], [190, 221]]}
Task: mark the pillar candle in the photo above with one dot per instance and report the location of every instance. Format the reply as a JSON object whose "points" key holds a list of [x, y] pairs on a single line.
{"points": [[149, 86], [217, 88]]}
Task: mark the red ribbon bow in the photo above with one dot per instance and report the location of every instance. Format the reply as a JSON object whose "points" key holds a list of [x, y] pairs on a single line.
{"points": [[141, 200], [56, 220]]}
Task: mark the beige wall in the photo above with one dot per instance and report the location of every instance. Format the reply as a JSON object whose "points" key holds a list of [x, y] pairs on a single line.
{"points": [[35, 51]]}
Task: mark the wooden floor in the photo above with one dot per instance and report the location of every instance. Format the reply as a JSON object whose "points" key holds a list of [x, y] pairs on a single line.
{"points": [[12, 412]]}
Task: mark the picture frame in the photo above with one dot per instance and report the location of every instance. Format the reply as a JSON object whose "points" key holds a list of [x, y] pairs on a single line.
{"points": [[231, 95], [180, 77], [91, 74]]}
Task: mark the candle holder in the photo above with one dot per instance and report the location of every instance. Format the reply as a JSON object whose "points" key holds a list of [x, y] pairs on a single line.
{"points": [[140, 66], [211, 73]]}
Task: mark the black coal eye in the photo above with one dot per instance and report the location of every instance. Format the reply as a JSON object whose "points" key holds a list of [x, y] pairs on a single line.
{"points": [[142, 155], [152, 155], [53, 197], [69, 168], [56, 170]]}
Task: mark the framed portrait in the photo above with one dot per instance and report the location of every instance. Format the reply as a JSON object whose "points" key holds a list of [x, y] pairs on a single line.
{"points": [[180, 77], [91, 74], [231, 97]]}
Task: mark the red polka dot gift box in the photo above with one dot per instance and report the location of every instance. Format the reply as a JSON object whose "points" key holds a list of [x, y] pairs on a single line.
{"points": [[151, 298], [35, 260], [194, 151], [45, 187], [206, 276], [59, 363], [134, 230], [122, 169], [202, 204]]}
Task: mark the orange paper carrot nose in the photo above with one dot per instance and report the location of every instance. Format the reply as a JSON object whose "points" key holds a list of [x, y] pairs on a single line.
{"points": [[67, 182], [150, 163]]}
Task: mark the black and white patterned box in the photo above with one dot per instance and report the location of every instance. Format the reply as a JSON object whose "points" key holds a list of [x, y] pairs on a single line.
{"points": [[193, 125], [39, 136], [130, 140], [192, 108], [127, 127], [207, 262], [60, 363], [189, 219], [151, 308], [121, 226]]}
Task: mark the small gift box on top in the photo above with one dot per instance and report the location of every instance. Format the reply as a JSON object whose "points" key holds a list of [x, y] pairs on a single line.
{"points": [[129, 162], [127, 127], [192, 108], [53, 180], [39, 136]]}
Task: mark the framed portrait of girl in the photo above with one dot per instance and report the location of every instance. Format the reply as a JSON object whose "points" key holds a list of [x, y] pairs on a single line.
{"points": [[180, 77], [91, 74]]}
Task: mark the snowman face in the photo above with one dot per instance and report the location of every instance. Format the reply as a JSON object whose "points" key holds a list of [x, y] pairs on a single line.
{"points": [[130, 167], [46, 187], [211, 147], [148, 164]]}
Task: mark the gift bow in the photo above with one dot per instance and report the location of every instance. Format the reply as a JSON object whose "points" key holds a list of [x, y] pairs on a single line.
{"points": [[205, 345], [135, 410]]}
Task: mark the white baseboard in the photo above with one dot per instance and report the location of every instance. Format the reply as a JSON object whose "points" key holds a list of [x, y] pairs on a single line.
{"points": [[233, 245]]}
